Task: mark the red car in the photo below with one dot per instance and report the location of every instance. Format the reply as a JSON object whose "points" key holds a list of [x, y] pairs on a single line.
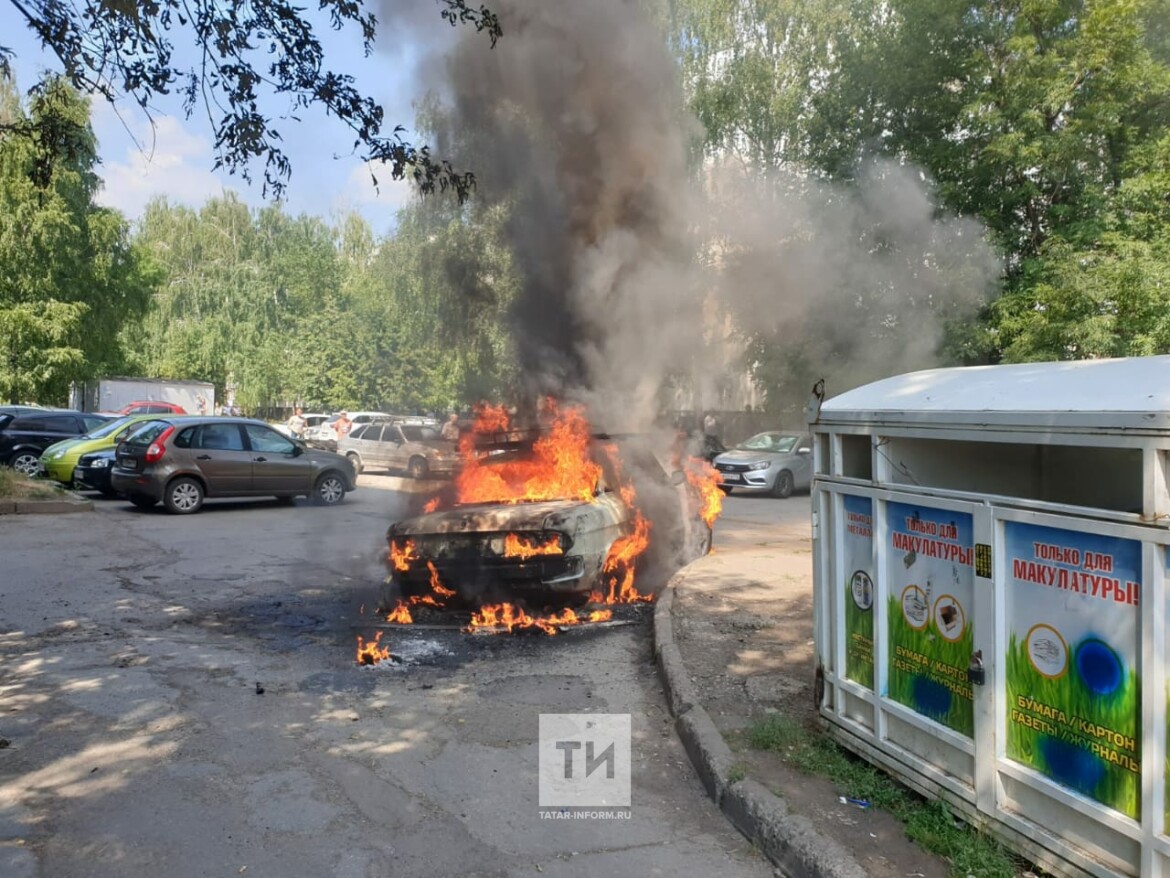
{"points": [[151, 407]]}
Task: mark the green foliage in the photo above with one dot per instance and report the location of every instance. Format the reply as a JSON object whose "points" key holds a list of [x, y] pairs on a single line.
{"points": [[293, 310], [71, 278], [244, 51], [1048, 120]]}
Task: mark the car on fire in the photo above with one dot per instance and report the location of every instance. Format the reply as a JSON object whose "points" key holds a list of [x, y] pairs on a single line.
{"points": [[557, 550], [776, 463]]}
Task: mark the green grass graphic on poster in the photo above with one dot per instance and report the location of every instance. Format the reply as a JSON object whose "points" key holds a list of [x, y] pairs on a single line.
{"points": [[929, 673], [1083, 740], [857, 543], [859, 643]]}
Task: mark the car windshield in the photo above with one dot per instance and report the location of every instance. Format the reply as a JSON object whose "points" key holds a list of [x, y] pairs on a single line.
{"points": [[778, 442], [107, 429]]}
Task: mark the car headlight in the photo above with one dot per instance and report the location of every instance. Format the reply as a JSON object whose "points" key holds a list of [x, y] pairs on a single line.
{"points": [[100, 463], [762, 464]]}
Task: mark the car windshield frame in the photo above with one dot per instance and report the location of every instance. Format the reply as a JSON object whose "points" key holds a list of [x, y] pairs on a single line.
{"points": [[772, 441]]}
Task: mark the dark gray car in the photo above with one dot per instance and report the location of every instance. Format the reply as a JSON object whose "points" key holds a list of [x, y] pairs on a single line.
{"points": [[776, 463], [180, 460]]}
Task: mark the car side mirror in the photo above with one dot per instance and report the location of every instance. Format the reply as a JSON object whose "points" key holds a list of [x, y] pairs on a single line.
{"points": [[298, 449], [804, 451]]}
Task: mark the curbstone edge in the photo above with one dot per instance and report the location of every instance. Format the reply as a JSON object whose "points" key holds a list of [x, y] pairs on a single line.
{"points": [[44, 507], [789, 841]]}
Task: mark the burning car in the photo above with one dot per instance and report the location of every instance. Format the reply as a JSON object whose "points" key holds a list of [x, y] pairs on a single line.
{"points": [[556, 516]]}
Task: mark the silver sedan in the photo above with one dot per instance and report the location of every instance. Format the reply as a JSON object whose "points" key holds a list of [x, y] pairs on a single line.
{"points": [[776, 463]]}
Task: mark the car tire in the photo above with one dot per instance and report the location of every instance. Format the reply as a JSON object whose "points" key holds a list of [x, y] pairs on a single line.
{"points": [[183, 496], [417, 468], [142, 501], [329, 490], [726, 489], [355, 461], [27, 463], [783, 485]]}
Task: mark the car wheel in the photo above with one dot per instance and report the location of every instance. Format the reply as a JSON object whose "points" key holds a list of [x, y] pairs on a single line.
{"points": [[183, 496], [142, 501], [27, 463], [356, 461], [726, 489], [330, 490], [782, 487], [417, 468]]}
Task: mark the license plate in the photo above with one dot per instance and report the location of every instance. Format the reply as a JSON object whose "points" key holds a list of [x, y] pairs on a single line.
{"points": [[730, 477], [128, 463]]}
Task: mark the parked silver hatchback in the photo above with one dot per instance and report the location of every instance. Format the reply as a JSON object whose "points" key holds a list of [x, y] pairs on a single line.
{"points": [[183, 459]]}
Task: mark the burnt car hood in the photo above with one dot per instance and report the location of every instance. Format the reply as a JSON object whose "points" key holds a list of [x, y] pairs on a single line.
{"points": [[492, 517]]}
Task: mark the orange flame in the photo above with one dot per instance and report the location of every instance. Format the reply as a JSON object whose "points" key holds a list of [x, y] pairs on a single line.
{"points": [[371, 653], [431, 505], [516, 546], [436, 583], [400, 615], [510, 618], [560, 466], [706, 480], [401, 556], [619, 565]]}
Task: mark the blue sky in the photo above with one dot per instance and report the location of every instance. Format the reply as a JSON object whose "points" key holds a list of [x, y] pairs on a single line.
{"points": [[176, 156]]}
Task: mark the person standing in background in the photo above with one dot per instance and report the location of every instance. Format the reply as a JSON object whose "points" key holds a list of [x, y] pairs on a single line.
{"points": [[450, 430], [296, 424], [342, 426]]}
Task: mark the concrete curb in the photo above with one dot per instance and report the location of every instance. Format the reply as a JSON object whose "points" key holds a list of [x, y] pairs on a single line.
{"points": [[44, 507], [789, 841]]}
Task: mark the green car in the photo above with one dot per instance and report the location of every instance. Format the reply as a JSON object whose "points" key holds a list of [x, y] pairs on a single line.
{"points": [[59, 459]]}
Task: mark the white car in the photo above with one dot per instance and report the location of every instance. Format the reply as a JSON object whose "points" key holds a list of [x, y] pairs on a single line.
{"points": [[311, 421], [324, 432]]}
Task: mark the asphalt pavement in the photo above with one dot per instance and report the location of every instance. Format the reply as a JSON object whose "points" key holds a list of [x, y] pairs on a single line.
{"points": [[179, 696]]}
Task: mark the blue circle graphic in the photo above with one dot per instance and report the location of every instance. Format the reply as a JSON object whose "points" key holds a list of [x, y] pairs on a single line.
{"points": [[930, 698], [1071, 765], [1099, 667]]}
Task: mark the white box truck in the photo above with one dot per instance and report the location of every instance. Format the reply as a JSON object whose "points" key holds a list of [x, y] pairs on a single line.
{"points": [[991, 557], [112, 394]]}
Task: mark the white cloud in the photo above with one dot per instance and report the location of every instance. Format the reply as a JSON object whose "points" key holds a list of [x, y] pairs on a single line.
{"points": [[360, 193], [169, 159]]}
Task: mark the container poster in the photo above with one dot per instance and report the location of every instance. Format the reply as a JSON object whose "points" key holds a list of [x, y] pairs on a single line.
{"points": [[931, 587], [1073, 691], [858, 599]]}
